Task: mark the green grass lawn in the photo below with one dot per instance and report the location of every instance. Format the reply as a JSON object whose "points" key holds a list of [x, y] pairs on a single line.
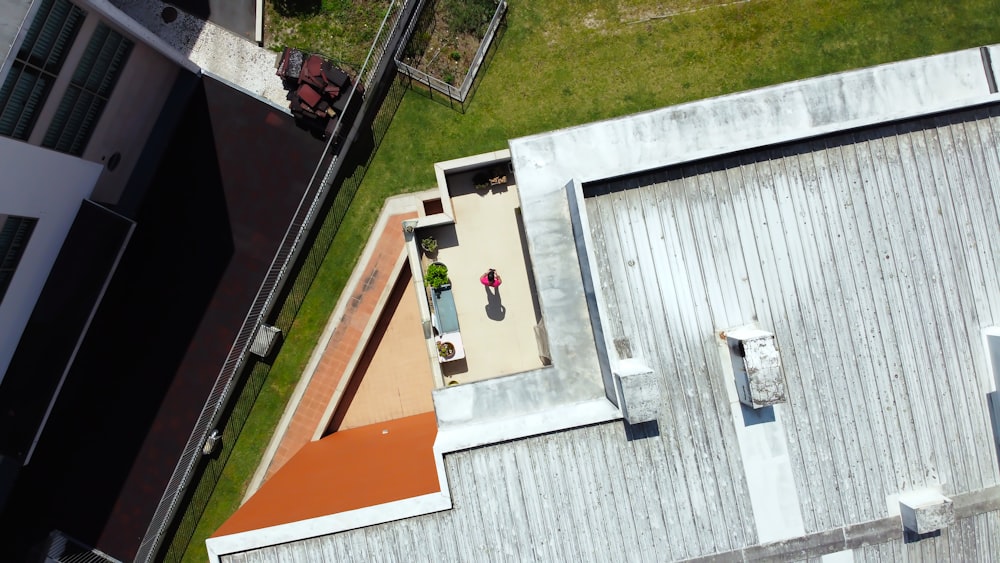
{"points": [[563, 63], [341, 30]]}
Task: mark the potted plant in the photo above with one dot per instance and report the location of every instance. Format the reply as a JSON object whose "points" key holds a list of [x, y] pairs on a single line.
{"points": [[446, 350], [481, 181], [429, 244], [436, 275]]}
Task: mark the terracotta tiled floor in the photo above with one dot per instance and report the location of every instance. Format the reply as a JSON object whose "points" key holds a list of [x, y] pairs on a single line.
{"points": [[390, 461], [379, 272]]}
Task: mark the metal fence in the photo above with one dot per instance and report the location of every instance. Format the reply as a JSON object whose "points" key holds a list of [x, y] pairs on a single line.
{"points": [[279, 298], [460, 93]]}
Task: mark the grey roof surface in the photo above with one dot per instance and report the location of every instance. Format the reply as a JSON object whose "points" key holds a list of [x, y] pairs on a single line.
{"points": [[591, 494], [584, 495], [969, 539], [859, 252], [870, 257], [238, 16], [217, 48]]}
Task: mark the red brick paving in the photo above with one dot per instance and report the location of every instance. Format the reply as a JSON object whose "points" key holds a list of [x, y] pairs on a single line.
{"points": [[379, 274]]}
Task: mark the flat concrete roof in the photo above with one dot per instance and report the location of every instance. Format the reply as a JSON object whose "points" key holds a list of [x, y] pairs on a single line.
{"points": [[236, 16], [546, 162]]}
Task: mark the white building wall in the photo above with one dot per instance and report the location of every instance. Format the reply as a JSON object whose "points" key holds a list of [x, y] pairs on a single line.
{"points": [[49, 186]]}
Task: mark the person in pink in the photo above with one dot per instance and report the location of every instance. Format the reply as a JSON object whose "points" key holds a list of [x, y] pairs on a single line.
{"points": [[491, 278]]}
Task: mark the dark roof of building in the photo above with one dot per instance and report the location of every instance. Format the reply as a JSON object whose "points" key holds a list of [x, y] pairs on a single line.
{"points": [[208, 226]]}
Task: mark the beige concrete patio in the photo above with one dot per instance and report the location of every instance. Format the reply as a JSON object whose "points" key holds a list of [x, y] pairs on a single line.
{"points": [[497, 327], [392, 381]]}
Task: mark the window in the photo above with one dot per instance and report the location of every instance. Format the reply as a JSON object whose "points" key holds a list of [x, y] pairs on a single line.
{"points": [[36, 65], [992, 336], [14, 235], [88, 91]]}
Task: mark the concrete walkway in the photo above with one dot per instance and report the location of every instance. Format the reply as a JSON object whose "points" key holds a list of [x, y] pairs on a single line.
{"points": [[397, 381], [345, 342], [342, 345]]}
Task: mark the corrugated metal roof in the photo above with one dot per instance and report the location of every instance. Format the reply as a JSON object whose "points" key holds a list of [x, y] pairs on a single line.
{"points": [[588, 494], [969, 539], [869, 254]]}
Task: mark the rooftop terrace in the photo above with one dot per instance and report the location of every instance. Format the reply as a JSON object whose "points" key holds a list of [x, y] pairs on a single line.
{"points": [[497, 326]]}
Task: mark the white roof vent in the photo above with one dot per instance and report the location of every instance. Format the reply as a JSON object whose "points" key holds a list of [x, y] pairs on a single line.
{"points": [[756, 367], [925, 511], [264, 340], [639, 390]]}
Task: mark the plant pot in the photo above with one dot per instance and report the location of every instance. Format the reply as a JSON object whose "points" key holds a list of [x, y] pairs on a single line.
{"points": [[446, 350], [436, 275], [429, 246]]}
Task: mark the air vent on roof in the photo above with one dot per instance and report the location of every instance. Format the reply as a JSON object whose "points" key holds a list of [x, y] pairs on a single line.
{"points": [[925, 511], [639, 390], [756, 367], [264, 340]]}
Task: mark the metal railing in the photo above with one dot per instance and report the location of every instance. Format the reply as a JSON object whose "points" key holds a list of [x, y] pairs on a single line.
{"points": [[60, 548], [433, 83], [286, 260]]}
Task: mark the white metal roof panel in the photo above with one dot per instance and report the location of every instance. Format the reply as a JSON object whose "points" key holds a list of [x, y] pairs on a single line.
{"points": [[870, 256]]}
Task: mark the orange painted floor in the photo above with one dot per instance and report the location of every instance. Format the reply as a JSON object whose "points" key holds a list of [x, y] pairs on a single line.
{"points": [[346, 470], [379, 272]]}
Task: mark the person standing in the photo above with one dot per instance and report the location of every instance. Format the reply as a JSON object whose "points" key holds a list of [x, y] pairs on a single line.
{"points": [[491, 278]]}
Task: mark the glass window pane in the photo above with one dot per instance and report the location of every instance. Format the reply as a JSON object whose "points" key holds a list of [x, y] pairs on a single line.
{"points": [[51, 34], [41, 55], [60, 49], [21, 98], [89, 115], [62, 116], [34, 29], [121, 53], [93, 81], [102, 61], [14, 235], [90, 55]]}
